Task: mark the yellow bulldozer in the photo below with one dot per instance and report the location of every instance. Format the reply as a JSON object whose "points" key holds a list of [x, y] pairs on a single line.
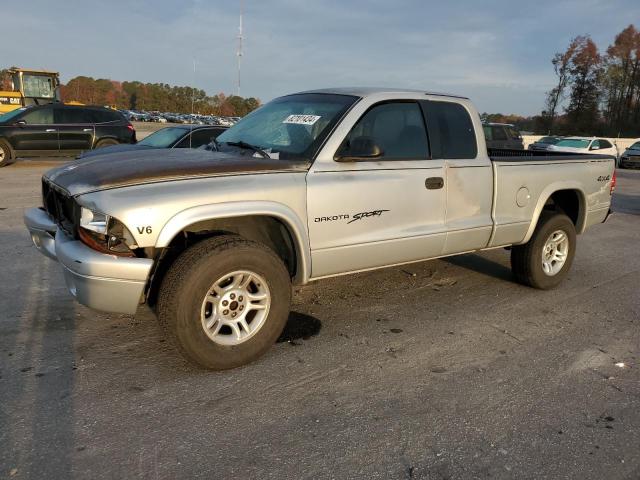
{"points": [[29, 87]]}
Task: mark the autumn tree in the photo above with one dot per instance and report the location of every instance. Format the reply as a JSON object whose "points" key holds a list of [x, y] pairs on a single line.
{"points": [[586, 66], [561, 65], [621, 82], [5, 80]]}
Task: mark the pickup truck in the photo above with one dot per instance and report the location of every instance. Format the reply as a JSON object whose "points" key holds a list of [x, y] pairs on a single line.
{"points": [[309, 186]]}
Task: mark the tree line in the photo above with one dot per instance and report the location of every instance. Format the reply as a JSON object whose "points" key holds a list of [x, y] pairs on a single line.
{"points": [[148, 96]]}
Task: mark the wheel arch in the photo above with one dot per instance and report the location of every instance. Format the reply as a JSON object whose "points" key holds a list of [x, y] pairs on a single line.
{"points": [[258, 217], [567, 198], [108, 137]]}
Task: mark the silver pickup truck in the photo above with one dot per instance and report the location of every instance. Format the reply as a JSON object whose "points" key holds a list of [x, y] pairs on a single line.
{"points": [[309, 186]]}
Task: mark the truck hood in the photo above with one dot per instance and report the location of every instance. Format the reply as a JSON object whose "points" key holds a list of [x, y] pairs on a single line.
{"points": [[150, 166]]}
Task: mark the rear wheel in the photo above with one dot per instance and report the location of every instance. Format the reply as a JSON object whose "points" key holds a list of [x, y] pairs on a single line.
{"points": [[545, 260], [225, 301], [7, 157], [106, 143]]}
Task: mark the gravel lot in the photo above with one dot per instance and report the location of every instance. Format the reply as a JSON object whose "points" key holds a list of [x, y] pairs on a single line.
{"points": [[443, 369]]}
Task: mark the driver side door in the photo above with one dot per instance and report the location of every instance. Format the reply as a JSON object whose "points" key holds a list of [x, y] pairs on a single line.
{"points": [[380, 211], [35, 131]]}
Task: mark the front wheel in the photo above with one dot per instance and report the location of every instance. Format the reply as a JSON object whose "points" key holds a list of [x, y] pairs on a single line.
{"points": [[545, 260], [6, 154], [225, 301]]}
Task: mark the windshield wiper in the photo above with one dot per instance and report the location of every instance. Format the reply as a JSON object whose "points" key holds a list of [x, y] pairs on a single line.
{"points": [[248, 146]]}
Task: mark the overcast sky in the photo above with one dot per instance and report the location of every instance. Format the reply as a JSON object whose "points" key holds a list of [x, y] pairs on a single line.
{"points": [[497, 52]]}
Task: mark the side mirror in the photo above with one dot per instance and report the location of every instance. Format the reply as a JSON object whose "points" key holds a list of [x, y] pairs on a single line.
{"points": [[361, 149], [20, 123], [595, 147]]}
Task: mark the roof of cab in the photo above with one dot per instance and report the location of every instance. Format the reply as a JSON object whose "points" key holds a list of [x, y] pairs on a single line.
{"points": [[366, 91]]}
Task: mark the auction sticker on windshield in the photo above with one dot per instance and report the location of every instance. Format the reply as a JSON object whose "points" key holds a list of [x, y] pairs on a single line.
{"points": [[302, 119]]}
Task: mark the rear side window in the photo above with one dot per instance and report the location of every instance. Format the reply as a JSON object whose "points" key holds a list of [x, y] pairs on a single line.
{"points": [[72, 115], [514, 133], [450, 130], [396, 127], [201, 137], [105, 116], [42, 116], [605, 144], [499, 133], [488, 132]]}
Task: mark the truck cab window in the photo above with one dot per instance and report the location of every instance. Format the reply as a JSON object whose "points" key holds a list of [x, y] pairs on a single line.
{"points": [[396, 127], [450, 130]]}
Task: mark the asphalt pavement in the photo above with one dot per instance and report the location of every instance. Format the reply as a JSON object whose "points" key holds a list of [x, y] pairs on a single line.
{"points": [[441, 369]]}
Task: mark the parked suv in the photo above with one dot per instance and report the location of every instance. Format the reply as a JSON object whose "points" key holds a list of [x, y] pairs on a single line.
{"points": [[58, 129], [503, 135]]}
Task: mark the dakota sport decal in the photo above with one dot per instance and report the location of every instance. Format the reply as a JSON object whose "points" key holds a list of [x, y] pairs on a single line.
{"points": [[351, 219]]}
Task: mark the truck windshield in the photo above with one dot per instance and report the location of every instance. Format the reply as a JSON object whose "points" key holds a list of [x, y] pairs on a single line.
{"points": [[573, 143], [291, 127], [163, 138], [38, 86]]}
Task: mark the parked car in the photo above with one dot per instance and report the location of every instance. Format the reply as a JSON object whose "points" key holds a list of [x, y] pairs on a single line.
{"points": [[503, 135], [543, 143], [631, 157], [180, 136], [56, 129], [584, 145], [310, 186]]}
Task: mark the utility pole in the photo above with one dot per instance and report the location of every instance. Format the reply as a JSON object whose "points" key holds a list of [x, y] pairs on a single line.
{"points": [[240, 38]]}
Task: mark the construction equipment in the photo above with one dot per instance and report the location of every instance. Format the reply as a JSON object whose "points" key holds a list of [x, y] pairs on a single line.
{"points": [[30, 87]]}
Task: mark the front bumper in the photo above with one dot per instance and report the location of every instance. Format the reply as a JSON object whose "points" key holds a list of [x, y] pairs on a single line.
{"points": [[97, 280]]}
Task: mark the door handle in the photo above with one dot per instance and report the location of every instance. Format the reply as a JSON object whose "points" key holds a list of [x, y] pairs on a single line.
{"points": [[49, 130], [434, 183], [87, 129]]}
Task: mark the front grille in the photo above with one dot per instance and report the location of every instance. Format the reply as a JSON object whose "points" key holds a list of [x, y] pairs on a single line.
{"points": [[62, 208]]}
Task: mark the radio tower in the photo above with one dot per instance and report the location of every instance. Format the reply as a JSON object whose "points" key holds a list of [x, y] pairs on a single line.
{"points": [[240, 38]]}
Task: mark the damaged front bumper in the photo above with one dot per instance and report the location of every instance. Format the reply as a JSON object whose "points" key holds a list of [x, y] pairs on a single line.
{"points": [[100, 281]]}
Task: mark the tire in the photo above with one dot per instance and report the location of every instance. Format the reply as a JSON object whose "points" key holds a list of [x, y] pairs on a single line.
{"points": [[7, 156], [527, 260], [185, 291], [105, 143]]}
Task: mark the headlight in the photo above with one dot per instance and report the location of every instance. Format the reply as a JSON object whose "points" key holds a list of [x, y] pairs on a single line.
{"points": [[94, 221], [105, 233]]}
